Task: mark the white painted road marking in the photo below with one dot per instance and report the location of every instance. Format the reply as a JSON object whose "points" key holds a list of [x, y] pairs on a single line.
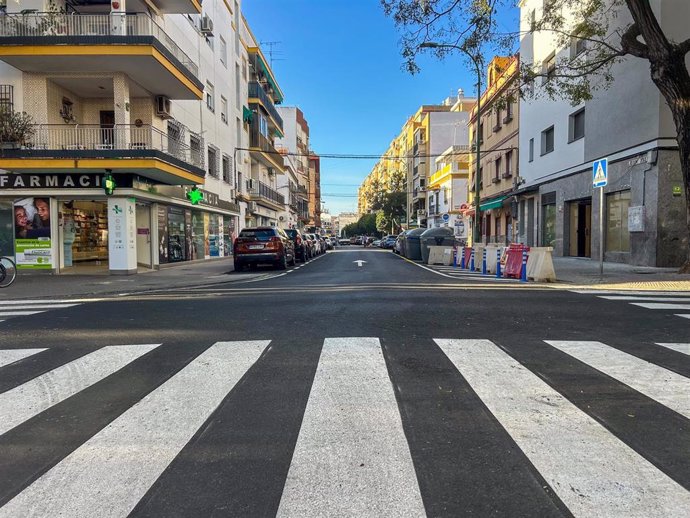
{"points": [[646, 299], [18, 313], [682, 316], [681, 348], [359, 262], [33, 397], [658, 305], [8, 356], [593, 472], [351, 456], [111, 472], [37, 306], [666, 387]]}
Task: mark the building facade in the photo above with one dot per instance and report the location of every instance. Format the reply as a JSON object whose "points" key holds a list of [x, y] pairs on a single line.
{"points": [[631, 126], [448, 189], [295, 144], [499, 141]]}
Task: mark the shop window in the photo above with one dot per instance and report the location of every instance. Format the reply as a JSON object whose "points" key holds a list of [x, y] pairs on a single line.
{"points": [[617, 234]]}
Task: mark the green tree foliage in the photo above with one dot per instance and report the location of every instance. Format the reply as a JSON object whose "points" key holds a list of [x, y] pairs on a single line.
{"points": [[608, 31], [366, 225], [390, 199]]}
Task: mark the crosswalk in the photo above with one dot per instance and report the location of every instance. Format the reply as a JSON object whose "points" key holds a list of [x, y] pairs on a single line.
{"points": [[676, 302], [352, 426], [20, 308], [455, 272]]}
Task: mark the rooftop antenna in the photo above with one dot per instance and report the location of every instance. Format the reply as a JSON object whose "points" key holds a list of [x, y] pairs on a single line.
{"points": [[272, 52]]}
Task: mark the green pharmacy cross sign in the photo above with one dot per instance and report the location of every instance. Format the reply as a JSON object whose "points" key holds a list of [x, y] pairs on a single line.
{"points": [[108, 184], [195, 195]]}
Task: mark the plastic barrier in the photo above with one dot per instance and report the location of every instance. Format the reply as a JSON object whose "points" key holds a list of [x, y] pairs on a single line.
{"points": [[440, 255], [513, 265], [478, 255], [467, 252], [540, 265], [491, 251]]}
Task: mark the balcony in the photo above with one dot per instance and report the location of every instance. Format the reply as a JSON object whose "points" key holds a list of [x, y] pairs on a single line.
{"points": [[102, 43], [261, 148], [264, 195], [257, 95], [142, 150], [178, 6]]}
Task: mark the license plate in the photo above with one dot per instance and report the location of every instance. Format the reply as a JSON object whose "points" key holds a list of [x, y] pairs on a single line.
{"points": [[256, 247]]}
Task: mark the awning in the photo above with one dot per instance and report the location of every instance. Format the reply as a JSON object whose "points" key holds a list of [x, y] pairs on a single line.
{"points": [[247, 114], [493, 204]]}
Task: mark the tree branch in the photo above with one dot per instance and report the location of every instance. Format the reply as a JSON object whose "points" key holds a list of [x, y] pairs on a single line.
{"points": [[684, 47], [631, 45]]}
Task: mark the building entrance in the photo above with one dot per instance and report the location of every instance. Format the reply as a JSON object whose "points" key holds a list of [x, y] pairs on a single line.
{"points": [[581, 228], [84, 229]]}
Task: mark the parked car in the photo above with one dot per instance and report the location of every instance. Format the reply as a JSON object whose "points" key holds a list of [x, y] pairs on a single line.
{"points": [[328, 243], [259, 245], [398, 242], [310, 245], [353, 240], [334, 241], [318, 244], [376, 242], [344, 241], [300, 244], [388, 242]]}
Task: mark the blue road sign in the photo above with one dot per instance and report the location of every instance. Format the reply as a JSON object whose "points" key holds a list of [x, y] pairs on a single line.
{"points": [[600, 173], [446, 217]]}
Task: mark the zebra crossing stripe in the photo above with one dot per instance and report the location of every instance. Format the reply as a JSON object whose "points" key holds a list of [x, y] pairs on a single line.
{"points": [[351, 456], [647, 299], [666, 387], [682, 316], [18, 313], [681, 348], [27, 400], [8, 356], [659, 305], [36, 306], [593, 472], [109, 474]]}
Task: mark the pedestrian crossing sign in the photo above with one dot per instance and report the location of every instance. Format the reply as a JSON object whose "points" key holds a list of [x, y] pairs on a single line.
{"points": [[600, 173]]}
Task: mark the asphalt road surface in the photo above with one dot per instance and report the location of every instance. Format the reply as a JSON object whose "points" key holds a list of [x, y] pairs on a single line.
{"points": [[346, 388]]}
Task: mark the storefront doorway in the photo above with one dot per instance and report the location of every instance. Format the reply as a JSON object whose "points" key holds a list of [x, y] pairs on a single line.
{"points": [[143, 216], [581, 228], [84, 235]]}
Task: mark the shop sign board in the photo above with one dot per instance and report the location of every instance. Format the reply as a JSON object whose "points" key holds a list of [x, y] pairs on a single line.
{"points": [[56, 181], [122, 232]]}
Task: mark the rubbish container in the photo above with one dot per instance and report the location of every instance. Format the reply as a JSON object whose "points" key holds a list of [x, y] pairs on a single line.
{"points": [[403, 238], [412, 244], [440, 236]]}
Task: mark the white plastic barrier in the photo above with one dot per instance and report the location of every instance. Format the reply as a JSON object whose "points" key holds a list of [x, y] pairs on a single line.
{"points": [[540, 265], [478, 251], [491, 258], [441, 255]]}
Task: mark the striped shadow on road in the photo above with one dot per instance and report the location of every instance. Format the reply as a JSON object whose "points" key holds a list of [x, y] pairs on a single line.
{"points": [[593, 473]]}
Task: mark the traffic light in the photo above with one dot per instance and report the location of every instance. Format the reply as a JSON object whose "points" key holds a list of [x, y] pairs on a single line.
{"points": [[195, 195], [108, 184]]}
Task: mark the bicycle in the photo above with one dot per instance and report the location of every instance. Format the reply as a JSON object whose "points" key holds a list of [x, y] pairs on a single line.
{"points": [[8, 272]]}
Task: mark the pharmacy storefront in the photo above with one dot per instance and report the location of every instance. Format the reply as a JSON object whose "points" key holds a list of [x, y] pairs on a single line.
{"points": [[65, 223]]}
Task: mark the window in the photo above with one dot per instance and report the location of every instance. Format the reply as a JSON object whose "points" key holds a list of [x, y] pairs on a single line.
{"points": [[6, 98], [509, 111], [223, 109], [498, 170], [263, 125], [577, 44], [531, 150], [532, 20], [481, 178], [548, 202], [210, 99], [237, 28], [237, 85], [509, 165], [617, 234], [547, 141], [213, 161], [223, 52], [481, 132], [576, 125], [245, 66], [549, 67], [227, 171], [497, 126], [238, 130], [195, 150]]}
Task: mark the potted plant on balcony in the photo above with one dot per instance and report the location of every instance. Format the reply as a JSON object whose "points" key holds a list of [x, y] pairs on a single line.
{"points": [[15, 128]]}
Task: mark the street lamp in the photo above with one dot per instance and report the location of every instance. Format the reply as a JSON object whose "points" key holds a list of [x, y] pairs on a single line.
{"points": [[477, 65]]}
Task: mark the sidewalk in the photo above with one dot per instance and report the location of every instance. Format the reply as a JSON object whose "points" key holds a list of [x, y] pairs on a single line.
{"points": [[584, 273], [31, 286]]}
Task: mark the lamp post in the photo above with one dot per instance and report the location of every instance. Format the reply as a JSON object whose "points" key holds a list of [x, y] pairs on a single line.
{"points": [[477, 65]]}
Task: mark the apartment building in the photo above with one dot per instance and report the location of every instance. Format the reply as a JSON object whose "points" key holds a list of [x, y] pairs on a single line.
{"points": [[447, 189], [295, 145], [149, 95], [314, 189], [498, 161], [264, 125], [630, 125]]}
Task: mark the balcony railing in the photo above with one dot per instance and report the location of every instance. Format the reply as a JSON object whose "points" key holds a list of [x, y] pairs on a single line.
{"points": [[57, 25], [259, 141], [256, 92], [120, 137], [261, 190]]}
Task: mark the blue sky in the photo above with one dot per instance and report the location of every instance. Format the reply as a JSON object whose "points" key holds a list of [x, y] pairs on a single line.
{"points": [[339, 61]]}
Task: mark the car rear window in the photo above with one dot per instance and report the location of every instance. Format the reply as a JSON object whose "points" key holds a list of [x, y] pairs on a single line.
{"points": [[259, 235], [291, 232]]}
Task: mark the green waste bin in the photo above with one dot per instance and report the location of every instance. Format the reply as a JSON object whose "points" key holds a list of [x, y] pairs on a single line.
{"points": [[412, 244]]}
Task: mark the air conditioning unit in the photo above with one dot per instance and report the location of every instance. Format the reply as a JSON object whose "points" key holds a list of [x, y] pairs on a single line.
{"points": [[251, 206], [206, 26], [163, 107]]}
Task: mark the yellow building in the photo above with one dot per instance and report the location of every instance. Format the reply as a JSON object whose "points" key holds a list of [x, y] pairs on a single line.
{"points": [[499, 136]]}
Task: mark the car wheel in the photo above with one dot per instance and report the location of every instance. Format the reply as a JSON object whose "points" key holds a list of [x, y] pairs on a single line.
{"points": [[238, 266], [282, 263], [293, 262]]}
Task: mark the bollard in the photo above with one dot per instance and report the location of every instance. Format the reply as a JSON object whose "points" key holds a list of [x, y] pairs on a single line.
{"points": [[484, 261], [472, 260], [462, 259], [455, 256], [498, 263], [523, 272]]}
